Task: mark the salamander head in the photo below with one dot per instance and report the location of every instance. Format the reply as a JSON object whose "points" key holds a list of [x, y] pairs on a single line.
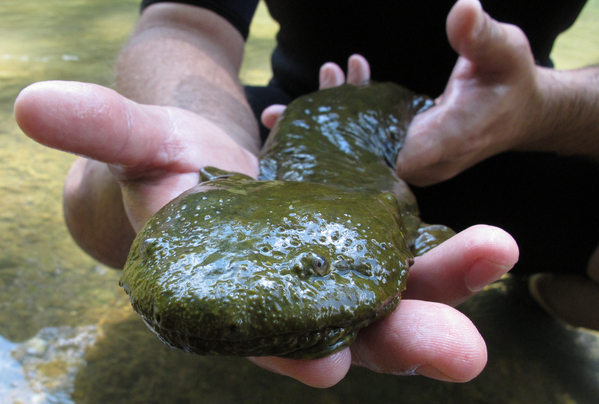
{"points": [[267, 268]]}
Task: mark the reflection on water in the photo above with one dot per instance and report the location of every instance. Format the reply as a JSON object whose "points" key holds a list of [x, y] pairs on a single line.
{"points": [[43, 368], [67, 333], [44, 279]]}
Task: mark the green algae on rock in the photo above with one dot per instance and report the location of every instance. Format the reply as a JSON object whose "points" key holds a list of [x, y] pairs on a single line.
{"points": [[296, 263]]}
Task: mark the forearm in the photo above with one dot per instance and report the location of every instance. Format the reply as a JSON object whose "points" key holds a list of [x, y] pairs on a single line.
{"points": [[179, 56], [188, 57], [567, 112]]}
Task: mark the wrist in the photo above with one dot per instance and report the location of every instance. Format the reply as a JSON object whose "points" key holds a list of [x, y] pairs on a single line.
{"points": [[564, 116], [189, 57]]}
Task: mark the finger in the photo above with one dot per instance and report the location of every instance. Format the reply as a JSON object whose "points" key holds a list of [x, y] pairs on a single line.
{"points": [[358, 70], [271, 115], [491, 46], [99, 123], [427, 160], [330, 75], [88, 120], [430, 339], [461, 266], [91, 223], [321, 373]]}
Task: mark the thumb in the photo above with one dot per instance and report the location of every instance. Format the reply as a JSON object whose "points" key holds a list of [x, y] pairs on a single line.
{"points": [[143, 140], [89, 120], [491, 46]]}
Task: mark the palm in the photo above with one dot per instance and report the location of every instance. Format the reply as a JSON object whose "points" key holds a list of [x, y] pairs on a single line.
{"points": [[484, 109]]}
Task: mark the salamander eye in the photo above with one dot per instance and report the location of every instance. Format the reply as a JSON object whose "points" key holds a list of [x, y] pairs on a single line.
{"points": [[320, 265]]}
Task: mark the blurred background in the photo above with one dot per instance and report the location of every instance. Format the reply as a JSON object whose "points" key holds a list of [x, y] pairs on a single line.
{"points": [[67, 332]]}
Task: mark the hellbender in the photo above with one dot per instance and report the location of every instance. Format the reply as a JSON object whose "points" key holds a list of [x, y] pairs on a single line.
{"points": [[295, 263]]}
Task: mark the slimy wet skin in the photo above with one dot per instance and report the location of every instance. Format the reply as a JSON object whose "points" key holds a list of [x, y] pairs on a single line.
{"points": [[296, 263]]}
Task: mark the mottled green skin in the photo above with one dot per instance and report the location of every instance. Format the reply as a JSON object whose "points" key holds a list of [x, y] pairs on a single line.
{"points": [[293, 264]]}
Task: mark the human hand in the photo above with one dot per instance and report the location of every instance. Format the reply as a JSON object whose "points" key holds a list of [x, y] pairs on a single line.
{"points": [[487, 106], [151, 153], [424, 335]]}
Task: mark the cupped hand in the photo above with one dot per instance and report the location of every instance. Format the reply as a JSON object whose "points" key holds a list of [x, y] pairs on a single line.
{"points": [[487, 105], [155, 153], [424, 335]]}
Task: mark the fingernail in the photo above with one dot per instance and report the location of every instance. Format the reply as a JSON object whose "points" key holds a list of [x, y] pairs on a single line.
{"points": [[484, 272], [479, 24], [325, 76], [434, 373]]}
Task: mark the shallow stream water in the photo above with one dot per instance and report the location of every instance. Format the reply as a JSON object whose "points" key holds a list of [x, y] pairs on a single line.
{"points": [[67, 332]]}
